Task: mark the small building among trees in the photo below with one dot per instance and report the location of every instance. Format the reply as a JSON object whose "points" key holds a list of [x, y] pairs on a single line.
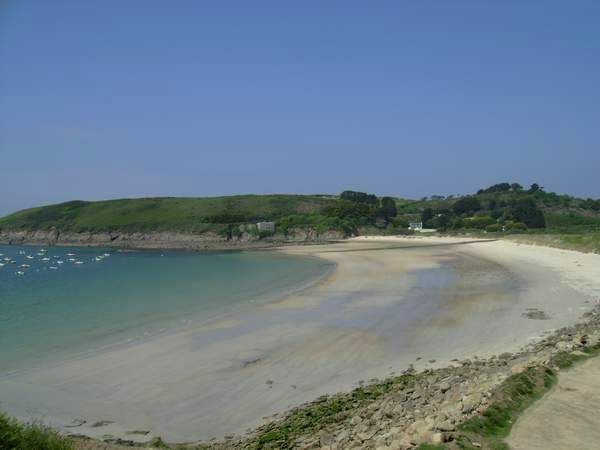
{"points": [[266, 227]]}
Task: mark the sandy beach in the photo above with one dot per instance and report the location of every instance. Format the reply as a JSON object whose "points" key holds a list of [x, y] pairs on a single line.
{"points": [[389, 303]]}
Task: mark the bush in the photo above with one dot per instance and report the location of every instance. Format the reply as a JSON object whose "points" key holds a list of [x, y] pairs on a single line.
{"points": [[17, 436], [478, 222], [493, 228], [516, 226]]}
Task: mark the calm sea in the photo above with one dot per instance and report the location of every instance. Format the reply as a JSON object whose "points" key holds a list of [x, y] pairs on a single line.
{"points": [[75, 300]]}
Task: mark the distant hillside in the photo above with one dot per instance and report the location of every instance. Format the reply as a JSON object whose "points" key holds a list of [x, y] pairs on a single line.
{"points": [[503, 207], [170, 213], [508, 207]]}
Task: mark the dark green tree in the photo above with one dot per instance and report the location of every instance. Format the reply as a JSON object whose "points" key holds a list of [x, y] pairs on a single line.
{"points": [[466, 205], [388, 208], [527, 212], [426, 216], [516, 187], [359, 197]]}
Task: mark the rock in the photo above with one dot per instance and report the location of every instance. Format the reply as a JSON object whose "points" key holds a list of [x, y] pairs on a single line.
{"points": [[445, 387], [518, 368], [366, 435], [437, 438], [398, 444], [469, 403], [356, 420], [564, 346], [342, 435], [445, 426]]}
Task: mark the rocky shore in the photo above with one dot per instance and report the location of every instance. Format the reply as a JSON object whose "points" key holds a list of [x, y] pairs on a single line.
{"points": [[245, 238], [445, 406]]}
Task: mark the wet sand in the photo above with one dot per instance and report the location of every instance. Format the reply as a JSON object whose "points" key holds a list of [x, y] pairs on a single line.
{"points": [[388, 303]]}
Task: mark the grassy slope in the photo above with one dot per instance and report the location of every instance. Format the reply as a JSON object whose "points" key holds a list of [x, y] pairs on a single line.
{"points": [[171, 213]]}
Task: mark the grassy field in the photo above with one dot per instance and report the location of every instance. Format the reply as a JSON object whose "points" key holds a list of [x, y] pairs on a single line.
{"points": [[171, 213]]}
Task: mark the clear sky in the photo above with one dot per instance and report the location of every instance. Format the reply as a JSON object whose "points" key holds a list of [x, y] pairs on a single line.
{"points": [[113, 98]]}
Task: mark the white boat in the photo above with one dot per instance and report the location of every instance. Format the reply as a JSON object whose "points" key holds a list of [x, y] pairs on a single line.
{"points": [[45, 259], [60, 262], [20, 273], [71, 259], [78, 262], [24, 266], [70, 254], [29, 257], [1, 264], [53, 267]]}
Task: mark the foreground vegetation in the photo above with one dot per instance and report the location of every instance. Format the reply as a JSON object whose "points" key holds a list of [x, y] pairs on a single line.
{"points": [[17, 436]]}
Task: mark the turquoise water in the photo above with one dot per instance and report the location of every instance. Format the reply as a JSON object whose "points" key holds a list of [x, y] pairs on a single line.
{"points": [[51, 310]]}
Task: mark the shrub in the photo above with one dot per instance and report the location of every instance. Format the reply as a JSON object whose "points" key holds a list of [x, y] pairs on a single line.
{"points": [[478, 222], [516, 226], [493, 228], [17, 436]]}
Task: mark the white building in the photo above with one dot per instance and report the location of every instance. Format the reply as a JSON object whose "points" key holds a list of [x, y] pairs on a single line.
{"points": [[415, 226], [268, 227]]}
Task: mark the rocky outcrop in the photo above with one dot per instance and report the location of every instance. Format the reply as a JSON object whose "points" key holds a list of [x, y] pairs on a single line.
{"points": [[245, 237]]}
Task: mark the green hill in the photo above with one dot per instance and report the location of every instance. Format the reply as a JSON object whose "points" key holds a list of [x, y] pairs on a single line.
{"points": [[170, 213], [503, 207]]}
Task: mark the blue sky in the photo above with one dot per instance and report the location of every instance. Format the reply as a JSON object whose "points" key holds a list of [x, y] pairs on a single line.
{"points": [[152, 98]]}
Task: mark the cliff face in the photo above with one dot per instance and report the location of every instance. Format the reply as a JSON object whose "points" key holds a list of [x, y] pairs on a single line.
{"points": [[161, 239]]}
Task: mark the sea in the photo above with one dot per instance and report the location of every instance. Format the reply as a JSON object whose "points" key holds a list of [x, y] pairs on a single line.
{"points": [[61, 302]]}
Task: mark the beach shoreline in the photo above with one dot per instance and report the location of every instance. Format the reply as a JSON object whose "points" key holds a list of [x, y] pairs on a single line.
{"points": [[354, 325]]}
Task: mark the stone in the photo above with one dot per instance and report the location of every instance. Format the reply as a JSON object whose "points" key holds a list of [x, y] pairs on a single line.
{"points": [[437, 438], [445, 387], [564, 346], [446, 426]]}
